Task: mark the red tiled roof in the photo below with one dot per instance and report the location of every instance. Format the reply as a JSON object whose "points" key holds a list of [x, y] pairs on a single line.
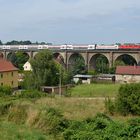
{"points": [[6, 66], [132, 70]]}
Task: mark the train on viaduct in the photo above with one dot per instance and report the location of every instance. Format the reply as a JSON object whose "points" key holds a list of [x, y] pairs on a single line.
{"points": [[66, 54]]}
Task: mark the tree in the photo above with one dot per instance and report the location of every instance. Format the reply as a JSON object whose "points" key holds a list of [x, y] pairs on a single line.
{"points": [[79, 66], [18, 59], [14, 42], [102, 65], [117, 63], [45, 70]]}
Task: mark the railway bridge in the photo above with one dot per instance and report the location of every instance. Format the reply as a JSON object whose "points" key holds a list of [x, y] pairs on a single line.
{"points": [[67, 57]]}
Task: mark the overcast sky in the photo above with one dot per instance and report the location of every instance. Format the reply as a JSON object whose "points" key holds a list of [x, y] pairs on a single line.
{"points": [[70, 21]]}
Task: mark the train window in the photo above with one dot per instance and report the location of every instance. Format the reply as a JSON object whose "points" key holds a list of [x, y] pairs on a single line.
{"points": [[20, 47], [63, 47], [69, 47], [25, 47], [45, 46], [3, 47], [91, 47], [40, 47]]}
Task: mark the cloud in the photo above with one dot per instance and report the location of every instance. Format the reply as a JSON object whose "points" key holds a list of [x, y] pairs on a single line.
{"points": [[68, 20]]}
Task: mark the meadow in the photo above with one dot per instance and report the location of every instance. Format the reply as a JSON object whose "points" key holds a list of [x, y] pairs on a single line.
{"points": [[40, 118], [95, 90]]}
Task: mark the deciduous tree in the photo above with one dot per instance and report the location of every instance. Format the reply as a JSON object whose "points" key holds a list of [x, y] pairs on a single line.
{"points": [[45, 70]]}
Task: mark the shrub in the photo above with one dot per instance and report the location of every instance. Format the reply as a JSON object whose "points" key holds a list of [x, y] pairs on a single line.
{"points": [[31, 94], [92, 72], [128, 99], [5, 91], [51, 121], [4, 107], [90, 129]]}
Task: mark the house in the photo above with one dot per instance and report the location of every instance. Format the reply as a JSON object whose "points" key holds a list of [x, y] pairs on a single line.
{"points": [[128, 74], [27, 66], [83, 78], [8, 74]]}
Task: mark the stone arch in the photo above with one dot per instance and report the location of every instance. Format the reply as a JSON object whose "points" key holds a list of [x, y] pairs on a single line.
{"points": [[72, 59], [70, 55], [25, 54], [59, 58], [93, 62], [127, 59], [34, 54], [10, 56]]}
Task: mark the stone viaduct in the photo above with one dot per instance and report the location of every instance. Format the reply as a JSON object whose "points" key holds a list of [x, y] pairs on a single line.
{"points": [[89, 56]]}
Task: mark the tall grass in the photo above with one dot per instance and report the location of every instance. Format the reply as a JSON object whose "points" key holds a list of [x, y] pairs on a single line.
{"points": [[11, 131], [74, 108]]}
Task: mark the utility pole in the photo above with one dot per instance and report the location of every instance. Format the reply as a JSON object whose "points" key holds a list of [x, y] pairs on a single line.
{"points": [[60, 81]]}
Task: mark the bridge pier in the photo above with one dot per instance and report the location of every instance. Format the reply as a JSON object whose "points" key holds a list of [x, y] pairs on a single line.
{"points": [[111, 63]]}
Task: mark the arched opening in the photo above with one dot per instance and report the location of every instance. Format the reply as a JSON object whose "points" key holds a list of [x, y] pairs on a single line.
{"points": [[18, 59], [11, 57], [125, 59], [59, 58], [99, 63], [76, 64]]}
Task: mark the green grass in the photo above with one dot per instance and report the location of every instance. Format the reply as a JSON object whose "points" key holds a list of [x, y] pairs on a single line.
{"points": [[95, 90], [11, 131]]}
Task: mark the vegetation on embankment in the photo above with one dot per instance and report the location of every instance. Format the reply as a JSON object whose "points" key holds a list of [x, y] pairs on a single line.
{"points": [[69, 118], [45, 119]]}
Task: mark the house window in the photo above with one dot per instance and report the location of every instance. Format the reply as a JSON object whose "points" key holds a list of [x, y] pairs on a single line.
{"points": [[12, 83], [12, 74], [1, 84], [1, 75]]}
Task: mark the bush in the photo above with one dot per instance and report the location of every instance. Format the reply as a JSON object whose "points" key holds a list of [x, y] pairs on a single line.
{"points": [[92, 72], [5, 91], [101, 127], [128, 99], [31, 94], [90, 129], [51, 121], [4, 107]]}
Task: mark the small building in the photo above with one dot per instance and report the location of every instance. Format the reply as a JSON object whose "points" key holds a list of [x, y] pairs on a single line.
{"points": [[8, 74], [110, 78], [85, 79], [55, 89], [27, 66], [128, 74]]}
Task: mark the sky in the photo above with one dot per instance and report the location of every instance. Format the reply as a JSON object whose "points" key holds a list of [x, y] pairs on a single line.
{"points": [[70, 21]]}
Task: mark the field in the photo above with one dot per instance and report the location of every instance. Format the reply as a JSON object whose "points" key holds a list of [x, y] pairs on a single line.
{"points": [[95, 90], [74, 108], [17, 122]]}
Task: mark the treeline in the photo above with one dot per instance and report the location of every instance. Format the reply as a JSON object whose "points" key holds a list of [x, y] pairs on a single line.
{"points": [[26, 42]]}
